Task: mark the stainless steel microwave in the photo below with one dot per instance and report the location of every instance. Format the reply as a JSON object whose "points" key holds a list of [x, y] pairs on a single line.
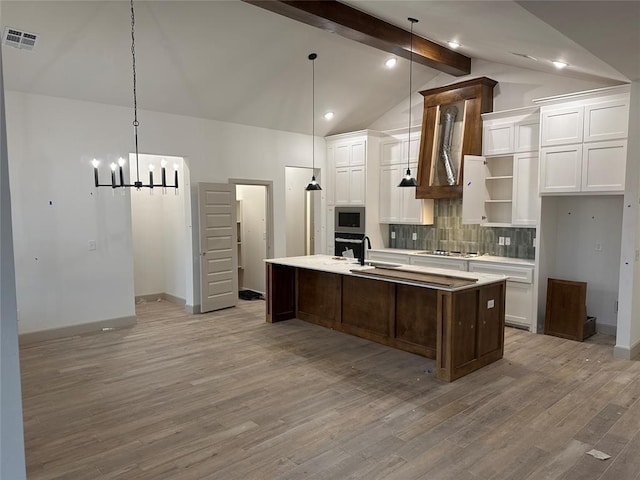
{"points": [[349, 220]]}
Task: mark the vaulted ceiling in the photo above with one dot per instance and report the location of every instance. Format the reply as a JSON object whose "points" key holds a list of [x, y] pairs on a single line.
{"points": [[236, 62]]}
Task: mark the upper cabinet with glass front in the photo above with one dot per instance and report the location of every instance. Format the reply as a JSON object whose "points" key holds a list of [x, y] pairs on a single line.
{"points": [[583, 142], [451, 129]]}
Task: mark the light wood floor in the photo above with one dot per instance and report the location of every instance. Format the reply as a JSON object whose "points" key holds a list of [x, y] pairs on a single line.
{"points": [[228, 396]]}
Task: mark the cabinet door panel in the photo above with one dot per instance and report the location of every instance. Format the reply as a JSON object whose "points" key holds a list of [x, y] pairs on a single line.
{"points": [[606, 121], [603, 166], [391, 152], [342, 186], [357, 185], [389, 205], [358, 153], [464, 328], [490, 315], [497, 139], [411, 208], [526, 202], [341, 155], [474, 190], [560, 169], [562, 126], [519, 304], [527, 136], [435, 262]]}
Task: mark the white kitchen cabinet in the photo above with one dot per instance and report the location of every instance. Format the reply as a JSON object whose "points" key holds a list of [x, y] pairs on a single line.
{"points": [[497, 139], [439, 262], [561, 126], [561, 169], [347, 160], [399, 205], [583, 142], [519, 300], [499, 191], [603, 166], [526, 134]]}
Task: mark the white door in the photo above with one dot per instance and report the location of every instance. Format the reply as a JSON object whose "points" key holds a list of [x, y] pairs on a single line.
{"points": [[218, 238]]}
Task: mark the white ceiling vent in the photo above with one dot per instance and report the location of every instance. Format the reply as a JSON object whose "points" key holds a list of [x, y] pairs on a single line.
{"points": [[19, 39]]}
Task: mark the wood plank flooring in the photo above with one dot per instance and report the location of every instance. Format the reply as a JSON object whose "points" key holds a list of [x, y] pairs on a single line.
{"points": [[228, 396]]}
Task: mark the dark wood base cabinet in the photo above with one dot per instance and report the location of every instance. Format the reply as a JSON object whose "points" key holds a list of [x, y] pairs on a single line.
{"points": [[462, 330]]}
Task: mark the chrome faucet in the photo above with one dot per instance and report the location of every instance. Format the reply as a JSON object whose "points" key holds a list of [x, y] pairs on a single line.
{"points": [[364, 249]]}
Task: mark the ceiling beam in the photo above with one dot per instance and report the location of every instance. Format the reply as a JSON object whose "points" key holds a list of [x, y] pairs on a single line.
{"points": [[353, 24]]}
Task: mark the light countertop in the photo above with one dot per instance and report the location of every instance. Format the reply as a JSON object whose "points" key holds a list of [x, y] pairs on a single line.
{"points": [[329, 264]]}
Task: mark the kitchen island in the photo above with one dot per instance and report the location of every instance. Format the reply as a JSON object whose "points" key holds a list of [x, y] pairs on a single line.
{"points": [[456, 318]]}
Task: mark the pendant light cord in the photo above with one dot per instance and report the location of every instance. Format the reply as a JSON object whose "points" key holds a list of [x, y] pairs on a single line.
{"points": [[135, 99], [412, 20], [313, 116]]}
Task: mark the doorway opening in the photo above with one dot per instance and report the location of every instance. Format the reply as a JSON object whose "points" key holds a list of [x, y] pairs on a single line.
{"points": [[160, 236], [302, 208], [254, 223]]}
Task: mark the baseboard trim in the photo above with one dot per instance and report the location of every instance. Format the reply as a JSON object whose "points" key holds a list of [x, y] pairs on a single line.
{"points": [[623, 353], [606, 329], [195, 309], [153, 297], [73, 330]]}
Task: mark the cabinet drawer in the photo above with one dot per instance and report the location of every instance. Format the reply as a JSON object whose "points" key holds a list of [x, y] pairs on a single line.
{"points": [[514, 273]]}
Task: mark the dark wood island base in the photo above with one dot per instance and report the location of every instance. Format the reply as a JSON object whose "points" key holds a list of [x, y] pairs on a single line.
{"points": [[462, 329]]}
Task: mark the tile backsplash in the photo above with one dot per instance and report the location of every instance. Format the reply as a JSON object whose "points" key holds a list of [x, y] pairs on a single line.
{"points": [[448, 233]]}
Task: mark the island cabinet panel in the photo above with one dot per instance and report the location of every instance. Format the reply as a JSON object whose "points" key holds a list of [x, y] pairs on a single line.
{"points": [[471, 334], [491, 321], [318, 297], [368, 307], [416, 322], [281, 292]]}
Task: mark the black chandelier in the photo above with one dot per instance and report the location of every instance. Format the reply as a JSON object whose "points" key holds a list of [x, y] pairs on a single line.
{"points": [[117, 181], [408, 180]]}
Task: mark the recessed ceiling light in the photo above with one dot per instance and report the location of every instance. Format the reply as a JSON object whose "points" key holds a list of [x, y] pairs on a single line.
{"points": [[453, 44], [391, 62], [560, 64], [328, 115]]}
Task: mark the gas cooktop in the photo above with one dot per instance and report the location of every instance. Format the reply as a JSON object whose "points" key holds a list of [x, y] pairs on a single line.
{"points": [[447, 253]]}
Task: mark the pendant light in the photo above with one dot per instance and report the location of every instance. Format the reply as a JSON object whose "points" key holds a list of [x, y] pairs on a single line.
{"points": [[118, 181], [408, 180], [313, 185]]}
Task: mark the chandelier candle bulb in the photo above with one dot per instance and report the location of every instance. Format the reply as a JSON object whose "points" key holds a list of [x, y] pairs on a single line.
{"points": [[121, 164], [175, 177], [95, 164], [151, 167], [113, 175]]}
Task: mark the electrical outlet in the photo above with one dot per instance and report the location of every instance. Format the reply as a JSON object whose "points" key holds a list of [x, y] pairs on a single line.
{"points": [[414, 236], [535, 242], [490, 303], [507, 241], [92, 245], [598, 247], [393, 235], [500, 240]]}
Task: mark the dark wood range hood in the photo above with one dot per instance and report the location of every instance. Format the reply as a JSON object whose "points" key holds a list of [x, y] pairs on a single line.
{"points": [[451, 129]]}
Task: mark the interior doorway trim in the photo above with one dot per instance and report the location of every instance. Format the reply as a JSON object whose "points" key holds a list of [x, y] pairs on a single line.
{"points": [[269, 207]]}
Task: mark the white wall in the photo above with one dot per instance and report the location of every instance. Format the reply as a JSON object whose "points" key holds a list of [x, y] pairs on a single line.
{"points": [[12, 462], [60, 282], [516, 88], [254, 246], [582, 224], [159, 231]]}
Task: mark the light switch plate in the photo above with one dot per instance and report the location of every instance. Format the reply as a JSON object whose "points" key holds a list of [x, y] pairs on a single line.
{"points": [[414, 236], [507, 241], [393, 235], [92, 245]]}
